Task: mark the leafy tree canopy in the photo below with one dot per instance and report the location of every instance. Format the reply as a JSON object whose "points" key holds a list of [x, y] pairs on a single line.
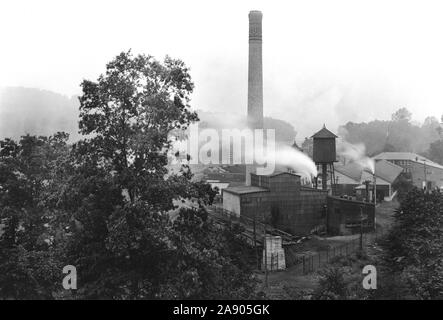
{"points": [[108, 204]]}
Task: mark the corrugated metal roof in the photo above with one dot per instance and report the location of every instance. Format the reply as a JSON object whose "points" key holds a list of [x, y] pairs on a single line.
{"points": [[383, 169], [387, 170], [245, 189], [351, 170]]}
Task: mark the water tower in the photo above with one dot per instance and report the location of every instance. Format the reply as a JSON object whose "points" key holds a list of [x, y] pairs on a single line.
{"points": [[324, 155]]}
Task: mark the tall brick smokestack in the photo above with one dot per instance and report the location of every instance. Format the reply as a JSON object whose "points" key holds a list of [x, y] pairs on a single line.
{"points": [[255, 79], [255, 71]]}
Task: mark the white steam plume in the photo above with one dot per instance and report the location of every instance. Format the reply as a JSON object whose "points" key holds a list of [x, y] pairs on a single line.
{"points": [[289, 157], [356, 153]]}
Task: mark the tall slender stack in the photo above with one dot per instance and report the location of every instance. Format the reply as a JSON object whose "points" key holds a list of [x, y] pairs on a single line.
{"points": [[255, 78]]}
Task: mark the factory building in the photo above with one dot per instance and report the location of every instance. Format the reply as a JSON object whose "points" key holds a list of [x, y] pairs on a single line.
{"points": [[280, 200], [347, 178], [351, 180], [421, 171]]}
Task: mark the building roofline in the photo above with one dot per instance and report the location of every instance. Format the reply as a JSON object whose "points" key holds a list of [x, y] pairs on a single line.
{"points": [[230, 190], [324, 133], [276, 174], [421, 159], [347, 174]]}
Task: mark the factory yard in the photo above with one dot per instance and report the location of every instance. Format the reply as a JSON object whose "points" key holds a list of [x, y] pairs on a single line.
{"points": [[293, 283]]}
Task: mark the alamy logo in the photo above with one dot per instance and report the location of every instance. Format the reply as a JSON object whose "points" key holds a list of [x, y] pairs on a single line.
{"points": [[70, 281], [370, 280], [234, 146]]}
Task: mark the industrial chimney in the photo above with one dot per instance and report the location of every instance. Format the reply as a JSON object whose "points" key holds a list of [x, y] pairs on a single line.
{"points": [[255, 71], [255, 79]]}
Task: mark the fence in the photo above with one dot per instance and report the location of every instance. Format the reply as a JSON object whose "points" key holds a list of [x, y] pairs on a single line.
{"points": [[303, 263], [310, 262]]}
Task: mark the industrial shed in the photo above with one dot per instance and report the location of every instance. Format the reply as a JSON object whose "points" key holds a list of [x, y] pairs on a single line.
{"points": [[351, 178], [346, 216], [280, 200]]}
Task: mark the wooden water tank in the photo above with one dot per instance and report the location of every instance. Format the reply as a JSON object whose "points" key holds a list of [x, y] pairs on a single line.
{"points": [[324, 146]]}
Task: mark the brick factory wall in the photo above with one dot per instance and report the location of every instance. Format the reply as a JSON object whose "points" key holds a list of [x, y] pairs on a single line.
{"points": [[288, 206], [310, 211], [343, 212], [255, 205]]}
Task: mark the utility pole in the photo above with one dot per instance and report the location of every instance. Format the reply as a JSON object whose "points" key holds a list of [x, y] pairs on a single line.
{"points": [[367, 190], [361, 228], [266, 250], [424, 173], [426, 182], [255, 234], [336, 186], [375, 190], [375, 199]]}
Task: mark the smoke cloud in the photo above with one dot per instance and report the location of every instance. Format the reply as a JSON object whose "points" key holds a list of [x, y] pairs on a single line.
{"points": [[356, 153], [299, 162], [266, 153]]}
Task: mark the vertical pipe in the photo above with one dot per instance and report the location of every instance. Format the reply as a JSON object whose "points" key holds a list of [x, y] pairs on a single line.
{"points": [[266, 250], [255, 238], [375, 191], [324, 177]]}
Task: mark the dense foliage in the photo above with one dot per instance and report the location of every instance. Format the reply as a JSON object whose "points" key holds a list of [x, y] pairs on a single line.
{"points": [[435, 152], [403, 185], [415, 244], [398, 134], [108, 204]]}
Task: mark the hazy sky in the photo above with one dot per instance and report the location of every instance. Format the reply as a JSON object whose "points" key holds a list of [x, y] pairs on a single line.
{"points": [[324, 61]]}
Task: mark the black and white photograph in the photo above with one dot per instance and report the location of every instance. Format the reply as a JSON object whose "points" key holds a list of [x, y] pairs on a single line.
{"points": [[237, 153]]}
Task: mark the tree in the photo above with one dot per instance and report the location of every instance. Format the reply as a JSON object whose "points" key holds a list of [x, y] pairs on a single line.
{"points": [[399, 134], [435, 152], [414, 244], [402, 114], [129, 112], [27, 265], [403, 185], [331, 284], [388, 148], [440, 128], [118, 196], [108, 205]]}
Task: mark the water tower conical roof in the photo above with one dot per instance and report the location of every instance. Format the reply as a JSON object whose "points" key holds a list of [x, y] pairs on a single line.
{"points": [[324, 134]]}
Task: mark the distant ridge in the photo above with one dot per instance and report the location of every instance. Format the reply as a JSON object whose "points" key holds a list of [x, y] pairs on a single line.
{"points": [[35, 111]]}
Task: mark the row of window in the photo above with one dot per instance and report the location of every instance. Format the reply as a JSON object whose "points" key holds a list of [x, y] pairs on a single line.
{"points": [[402, 163]]}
